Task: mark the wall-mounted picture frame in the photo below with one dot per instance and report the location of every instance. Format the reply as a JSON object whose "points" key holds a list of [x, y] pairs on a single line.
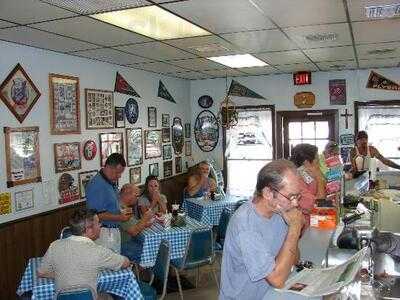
{"points": [[67, 156], [166, 135], [187, 130], [178, 164], [134, 146], [22, 155], [154, 170], [131, 110], [135, 175], [19, 93], [205, 101], [64, 104], [188, 148], [119, 113], [110, 142], [165, 120], [167, 167], [167, 152], [152, 116], [89, 150], [206, 131], [84, 178], [24, 200], [153, 143], [99, 109], [67, 188], [177, 135]]}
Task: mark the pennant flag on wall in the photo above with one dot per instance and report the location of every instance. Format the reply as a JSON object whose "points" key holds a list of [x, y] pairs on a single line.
{"points": [[239, 90], [377, 81], [163, 92], [122, 86]]}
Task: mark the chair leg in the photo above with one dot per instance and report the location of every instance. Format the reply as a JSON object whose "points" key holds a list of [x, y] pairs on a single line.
{"points": [[178, 279], [197, 276], [215, 276]]}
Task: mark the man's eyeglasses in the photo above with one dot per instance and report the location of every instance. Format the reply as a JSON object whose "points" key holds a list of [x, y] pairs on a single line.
{"points": [[291, 198]]}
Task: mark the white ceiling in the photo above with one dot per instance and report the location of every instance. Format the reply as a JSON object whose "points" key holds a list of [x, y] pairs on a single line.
{"points": [[273, 31]]}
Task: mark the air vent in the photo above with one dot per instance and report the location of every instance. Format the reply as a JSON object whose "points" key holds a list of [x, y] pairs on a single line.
{"points": [[381, 51], [209, 48], [321, 37]]}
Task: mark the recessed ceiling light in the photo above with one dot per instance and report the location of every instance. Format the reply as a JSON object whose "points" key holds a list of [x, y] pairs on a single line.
{"points": [[382, 11], [152, 21], [239, 61], [321, 37]]}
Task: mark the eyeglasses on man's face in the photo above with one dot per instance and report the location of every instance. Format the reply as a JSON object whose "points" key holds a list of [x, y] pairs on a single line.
{"points": [[290, 198]]}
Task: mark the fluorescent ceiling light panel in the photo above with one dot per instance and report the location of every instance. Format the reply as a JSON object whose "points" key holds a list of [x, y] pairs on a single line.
{"points": [[152, 21], [238, 61]]}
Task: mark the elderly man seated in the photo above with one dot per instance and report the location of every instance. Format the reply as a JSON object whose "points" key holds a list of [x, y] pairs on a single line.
{"points": [[131, 247], [77, 260], [199, 183]]}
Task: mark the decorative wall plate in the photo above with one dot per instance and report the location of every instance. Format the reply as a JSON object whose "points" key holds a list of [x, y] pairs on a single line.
{"points": [[177, 135], [132, 110], [206, 131], [205, 101], [89, 150]]}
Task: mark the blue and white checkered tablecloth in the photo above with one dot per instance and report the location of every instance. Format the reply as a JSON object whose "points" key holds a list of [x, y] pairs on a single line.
{"points": [[178, 238], [121, 283], [209, 211]]}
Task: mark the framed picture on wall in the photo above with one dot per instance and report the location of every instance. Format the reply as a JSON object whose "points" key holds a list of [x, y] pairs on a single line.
{"points": [[64, 104], [178, 164], [153, 169], [110, 143], [22, 155], [153, 143], [135, 175], [152, 116], [177, 135], [187, 130], [167, 166], [67, 156], [67, 188], [165, 120], [188, 148], [166, 135], [167, 152], [84, 178], [119, 117], [134, 146], [99, 109]]}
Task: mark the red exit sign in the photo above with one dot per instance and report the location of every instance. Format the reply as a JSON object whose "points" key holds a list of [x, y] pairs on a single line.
{"points": [[301, 78]]}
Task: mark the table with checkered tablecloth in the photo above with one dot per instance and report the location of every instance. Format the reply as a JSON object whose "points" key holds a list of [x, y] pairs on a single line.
{"points": [[121, 283], [177, 237], [209, 211]]}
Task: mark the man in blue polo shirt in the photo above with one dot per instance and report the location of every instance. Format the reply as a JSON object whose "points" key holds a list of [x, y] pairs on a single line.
{"points": [[102, 195]]}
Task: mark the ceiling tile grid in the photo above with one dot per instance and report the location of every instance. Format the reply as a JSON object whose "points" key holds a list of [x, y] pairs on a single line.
{"points": [[112, 56]]}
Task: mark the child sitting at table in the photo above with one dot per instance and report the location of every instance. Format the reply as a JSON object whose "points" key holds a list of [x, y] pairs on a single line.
{"points": [[151, 198]]}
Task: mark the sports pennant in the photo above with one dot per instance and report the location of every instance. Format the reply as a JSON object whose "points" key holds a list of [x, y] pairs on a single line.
{"points": [[163, 92], [377, 81], [123, 87], [239, 90]]}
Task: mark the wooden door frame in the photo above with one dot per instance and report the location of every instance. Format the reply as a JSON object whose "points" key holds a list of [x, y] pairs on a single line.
{"points": [[322, 115]]}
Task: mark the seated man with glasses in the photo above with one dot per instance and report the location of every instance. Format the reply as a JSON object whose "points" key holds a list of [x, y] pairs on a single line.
{"points": [[261, 243]]}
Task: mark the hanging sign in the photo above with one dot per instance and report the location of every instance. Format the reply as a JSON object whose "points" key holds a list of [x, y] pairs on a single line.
{"points": [[304, 99], [302, 78]]}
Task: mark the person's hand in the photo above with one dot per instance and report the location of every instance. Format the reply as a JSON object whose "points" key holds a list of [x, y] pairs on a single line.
{"points": [[294, 218], [147, 218], [125, 217]]}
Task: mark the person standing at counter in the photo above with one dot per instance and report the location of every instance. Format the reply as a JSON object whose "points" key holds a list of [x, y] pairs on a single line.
{"points": [[362, 153], [102, 195], [261, 243]]}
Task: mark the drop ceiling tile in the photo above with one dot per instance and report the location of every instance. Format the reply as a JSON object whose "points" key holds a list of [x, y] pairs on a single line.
{"points": [[297, 67], [259, 70], [330, 53], [380, 63], [156, 50], [337, 65], [260, 41], [91, 30], [4, 24], [111, 56], [298, 35], [299, 13], [376, 31], [191, 75], [357, 8], [158, 67], [283, 57], [222, 16], [224, 72], [382, 50], [30, 11], [198, 64], [211, 45], [40, 39]]}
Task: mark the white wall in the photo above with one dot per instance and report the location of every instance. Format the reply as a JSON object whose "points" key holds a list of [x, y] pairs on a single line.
{"points": [[279, 91], [92, 74]]}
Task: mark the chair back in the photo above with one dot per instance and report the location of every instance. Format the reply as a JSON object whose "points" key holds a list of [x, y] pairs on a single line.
{"points": [[79, 292], [200, 248], [65, 232], [161, 267], [223, 224], [240, 202]]}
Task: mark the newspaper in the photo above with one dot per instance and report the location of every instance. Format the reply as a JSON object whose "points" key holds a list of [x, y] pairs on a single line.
{"points": [[319, 282]]}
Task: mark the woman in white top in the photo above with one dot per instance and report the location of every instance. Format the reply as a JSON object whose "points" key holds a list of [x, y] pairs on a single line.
{"points": [[362, 153], [152, 198]]}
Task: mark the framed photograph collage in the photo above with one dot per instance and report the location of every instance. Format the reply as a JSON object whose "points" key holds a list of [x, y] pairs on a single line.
{"points": [[99, 109]]}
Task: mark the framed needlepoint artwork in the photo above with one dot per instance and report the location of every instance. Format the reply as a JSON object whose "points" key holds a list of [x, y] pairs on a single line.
{"points": [[19, 93], [64, 104], [67, 156], [99, 109]]}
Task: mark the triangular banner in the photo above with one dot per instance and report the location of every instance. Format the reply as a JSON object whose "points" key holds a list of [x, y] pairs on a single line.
{"points": [[239, 90], [163, 92], [123, 87], [377, 81]]}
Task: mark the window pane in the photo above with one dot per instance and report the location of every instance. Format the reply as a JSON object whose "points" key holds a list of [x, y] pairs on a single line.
{"points": [[308, 130], [293, 143], [322, 130], [295, 130], [321, 145]]}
